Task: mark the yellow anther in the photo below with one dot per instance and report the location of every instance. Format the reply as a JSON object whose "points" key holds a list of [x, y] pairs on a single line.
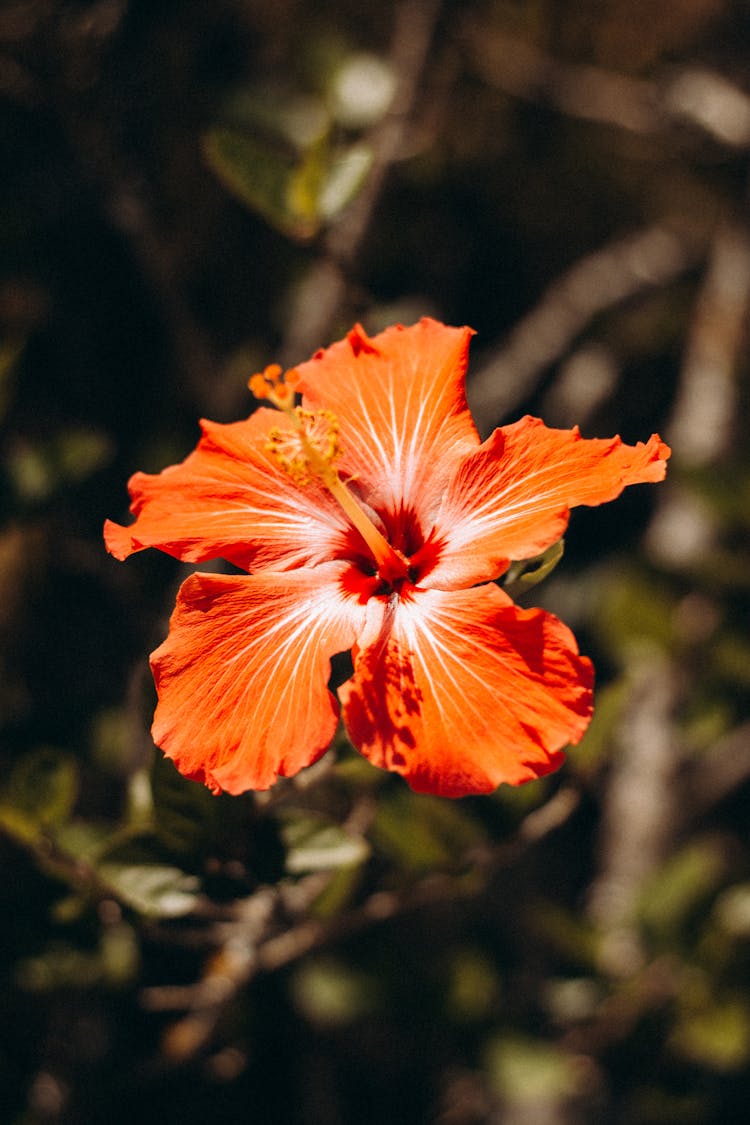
{"points": [[258, 385], [309, 448], [273, 385]]}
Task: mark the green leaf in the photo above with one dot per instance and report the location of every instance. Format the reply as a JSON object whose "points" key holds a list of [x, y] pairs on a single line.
{"points": [[527, 573], [84, 839], [528, 1071], [17, 825], [151, 888], [344, 179], [114, 963], [682, 886], [316, 844], [473, 986], [329, 993], [268, 178], [296, 193], [40, 469], [188, 818], [732, 911], [717, 1036], [635, 607], [119, 954], [338, 892], [43, 787], [80, 451], [424, 833], [567, 932]]}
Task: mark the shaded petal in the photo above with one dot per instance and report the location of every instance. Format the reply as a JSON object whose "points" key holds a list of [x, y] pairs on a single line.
{"points": [[229, 499], [510, 499], [462, 690], [242, 676], [400, 400]]}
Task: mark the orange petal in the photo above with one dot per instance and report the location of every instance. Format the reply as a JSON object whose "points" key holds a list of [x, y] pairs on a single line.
{"points": [[459, 691], [399, 397], [229, 499], [242, 676], [510, 499]]}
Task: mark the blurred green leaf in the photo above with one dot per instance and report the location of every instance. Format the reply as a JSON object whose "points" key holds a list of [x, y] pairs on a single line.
{"points": [[717, 1036], [111, 739], [732, 911], [338, 891], [473, 986], [421, 833], [295, 117], [18, 825], [113, 964], [84, 839], [59, 966], [297, 194], [636, 607], [529, 1071], [343, 180], [315, 844], [31, 474], [187, 816], [659, 1106], [523, 575], [681, 886], [568, 932], [268, 179], [119, 954], [39, 469], [151, 888], [330, 993], [302, 196], [43, 787], [80, 451], [731, 657], [573, 1000]]}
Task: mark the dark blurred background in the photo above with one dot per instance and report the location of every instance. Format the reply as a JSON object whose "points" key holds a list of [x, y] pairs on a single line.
{"points": [[191, 191]]}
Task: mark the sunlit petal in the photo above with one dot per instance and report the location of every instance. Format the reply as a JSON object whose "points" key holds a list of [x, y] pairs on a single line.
{"points": [[229, 499], [460, 691], [242, 676], [400, 400], [510, 499]]}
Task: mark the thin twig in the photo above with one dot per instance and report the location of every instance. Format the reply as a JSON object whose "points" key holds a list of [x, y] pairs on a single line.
{"points": [[322, 295], [255, 940], [648, 259], [523, 70], [655, 107]]}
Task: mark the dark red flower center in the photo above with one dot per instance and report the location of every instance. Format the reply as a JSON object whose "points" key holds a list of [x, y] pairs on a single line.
{"points": [[414, 556]]}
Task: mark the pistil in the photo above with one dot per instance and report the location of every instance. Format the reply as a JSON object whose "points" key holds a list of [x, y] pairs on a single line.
{"points": [[314, 457]]}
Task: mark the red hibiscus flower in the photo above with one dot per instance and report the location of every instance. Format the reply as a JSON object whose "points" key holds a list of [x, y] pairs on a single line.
{"points": [[371, 519]]}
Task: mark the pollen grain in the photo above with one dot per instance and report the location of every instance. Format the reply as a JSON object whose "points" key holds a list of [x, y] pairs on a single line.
{"points": [[310, 448]]}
